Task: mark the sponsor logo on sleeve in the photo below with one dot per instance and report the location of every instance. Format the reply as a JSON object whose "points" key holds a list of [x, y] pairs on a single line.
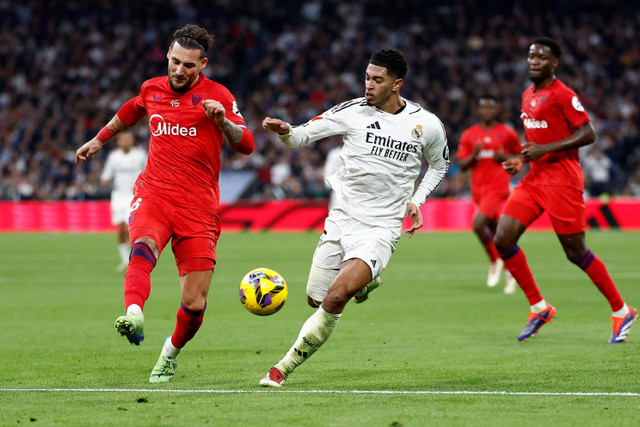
{"points": [[576, 104], [236, 110]]}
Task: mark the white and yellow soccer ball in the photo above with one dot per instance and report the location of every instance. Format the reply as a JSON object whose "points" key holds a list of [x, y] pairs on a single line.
{"points": [[263, 291]]}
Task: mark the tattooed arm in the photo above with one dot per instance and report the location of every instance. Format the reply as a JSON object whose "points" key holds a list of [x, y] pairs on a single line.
{"points": [[238, 137]]}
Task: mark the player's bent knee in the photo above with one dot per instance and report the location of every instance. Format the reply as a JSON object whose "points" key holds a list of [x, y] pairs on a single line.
{"points": [[502, 242], [335, 302], [574, 256]]}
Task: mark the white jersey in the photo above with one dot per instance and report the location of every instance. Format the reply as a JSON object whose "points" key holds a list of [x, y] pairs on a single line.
{"points": [[124, 169], [381, 157]]}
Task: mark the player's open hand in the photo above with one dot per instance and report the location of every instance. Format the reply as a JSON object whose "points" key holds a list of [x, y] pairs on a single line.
{"points": [[88, 150], [276, 125], [513, 165], [215, 111], [416, 218], [533, 151]]}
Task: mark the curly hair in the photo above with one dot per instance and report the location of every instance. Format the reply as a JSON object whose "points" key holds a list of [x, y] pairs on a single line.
{"points": [[392, 59], [193, 37]]}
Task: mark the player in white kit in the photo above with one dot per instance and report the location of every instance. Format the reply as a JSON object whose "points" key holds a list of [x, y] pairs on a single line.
{"points": [[385, 138], [123, 166]]}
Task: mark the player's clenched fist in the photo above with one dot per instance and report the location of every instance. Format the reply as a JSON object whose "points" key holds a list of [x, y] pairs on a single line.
{"points": [[215, 110]]}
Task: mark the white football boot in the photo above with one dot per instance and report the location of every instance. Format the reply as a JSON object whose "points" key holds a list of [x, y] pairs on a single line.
{"points": [[495, 272]]}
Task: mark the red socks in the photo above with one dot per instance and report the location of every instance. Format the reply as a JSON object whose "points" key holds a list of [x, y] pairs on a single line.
{"points": [[490, 248], [516, 262], [188, 323], [137, 280], [597, 272]]}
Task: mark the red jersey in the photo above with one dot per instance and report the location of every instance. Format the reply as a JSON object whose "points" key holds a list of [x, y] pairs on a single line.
{"points": [[486, 174], [549, 115], [184, 144]]}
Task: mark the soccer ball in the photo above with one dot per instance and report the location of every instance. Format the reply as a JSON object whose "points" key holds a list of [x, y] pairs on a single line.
{"points": [[263, 291]]}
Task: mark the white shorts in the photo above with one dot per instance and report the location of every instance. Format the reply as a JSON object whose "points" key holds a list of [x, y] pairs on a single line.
{"points": [[345, 238], [120, 205]]}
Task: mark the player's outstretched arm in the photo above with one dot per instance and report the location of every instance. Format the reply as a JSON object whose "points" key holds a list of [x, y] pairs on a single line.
{"points": [[90, 148]]}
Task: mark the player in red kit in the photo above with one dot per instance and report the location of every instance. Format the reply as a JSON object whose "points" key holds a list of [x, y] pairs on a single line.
{"points": [[556, 125], [483, 147], [176, 197]]}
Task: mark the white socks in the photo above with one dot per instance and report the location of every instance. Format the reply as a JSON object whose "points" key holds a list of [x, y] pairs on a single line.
{"points": [[123, 250], [135, 309], [169, 350], [622, 312], [315, 332], [539, 307]]}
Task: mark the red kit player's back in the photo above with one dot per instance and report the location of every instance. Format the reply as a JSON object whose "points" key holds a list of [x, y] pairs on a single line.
{"points": [[549, 115], [184, 145]]}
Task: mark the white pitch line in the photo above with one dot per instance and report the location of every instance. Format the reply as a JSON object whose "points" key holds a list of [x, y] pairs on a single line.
{"points": [[402, 392]]}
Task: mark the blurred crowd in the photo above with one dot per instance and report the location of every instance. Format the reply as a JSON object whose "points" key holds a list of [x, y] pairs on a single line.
{"points": [[67, 66]]}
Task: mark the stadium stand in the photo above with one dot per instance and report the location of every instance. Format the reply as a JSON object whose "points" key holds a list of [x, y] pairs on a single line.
{"points": [[68, 65]]}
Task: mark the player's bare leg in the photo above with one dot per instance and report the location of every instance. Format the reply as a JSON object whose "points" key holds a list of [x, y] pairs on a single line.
{"points": [[623, 316], [354, 275], [194, 287], [485, 228], [137, 287]]}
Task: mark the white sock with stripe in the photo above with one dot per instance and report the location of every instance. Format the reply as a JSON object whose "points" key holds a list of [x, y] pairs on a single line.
{"points": [[315, 332]]}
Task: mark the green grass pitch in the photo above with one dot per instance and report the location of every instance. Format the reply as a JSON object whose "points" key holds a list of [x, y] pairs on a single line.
{"points": [[434, 326]]}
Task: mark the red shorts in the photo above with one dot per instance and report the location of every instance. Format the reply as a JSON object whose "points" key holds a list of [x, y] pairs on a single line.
{"points": [[489, 202], [565, 206], [194, 233]]}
